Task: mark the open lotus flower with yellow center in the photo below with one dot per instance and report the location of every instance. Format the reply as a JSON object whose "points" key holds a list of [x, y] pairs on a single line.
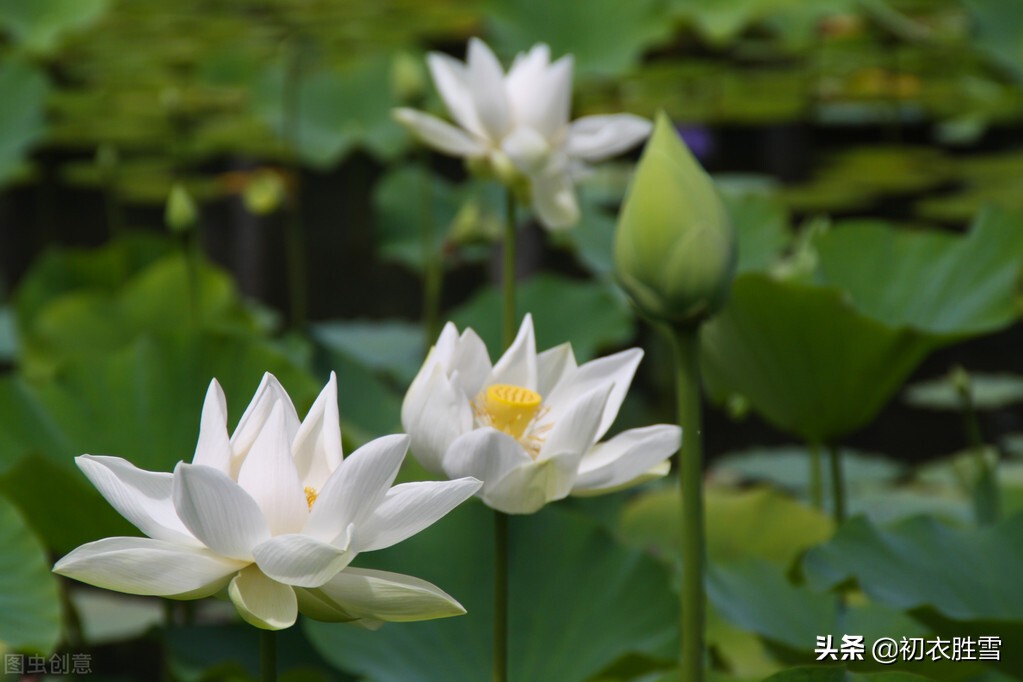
{"points": [[275, 513], [518, 124], [529, 426]]}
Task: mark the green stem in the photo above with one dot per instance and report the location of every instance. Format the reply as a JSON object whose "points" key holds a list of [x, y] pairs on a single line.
{"points": [[192, 256], [500, 597], [433, 263], [508, 274], [267, 656], [689, 464], [837, 485], [816, 477], [986, 502], [294, 234]]}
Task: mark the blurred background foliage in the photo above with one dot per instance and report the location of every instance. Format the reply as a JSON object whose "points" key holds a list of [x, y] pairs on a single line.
{"points": [[870, 153]]}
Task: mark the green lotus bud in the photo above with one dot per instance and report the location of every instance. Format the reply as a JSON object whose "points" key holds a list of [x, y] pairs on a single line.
{"points": [[264, 193], [675, 250], [181, 213], [408, 82]]}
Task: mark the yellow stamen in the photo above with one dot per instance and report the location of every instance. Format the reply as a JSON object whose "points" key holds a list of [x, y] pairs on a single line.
{"points": [[310, 496], [511, 408]]}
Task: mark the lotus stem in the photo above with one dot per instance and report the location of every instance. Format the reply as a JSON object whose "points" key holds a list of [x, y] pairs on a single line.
{"points": [[267, 656], [500, 597], [816, 477], [433, 264], [501, 519], [689, 464], [986, 502], [838, 510]]}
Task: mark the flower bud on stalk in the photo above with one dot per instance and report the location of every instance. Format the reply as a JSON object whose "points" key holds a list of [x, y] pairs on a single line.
{"points": [[675, 249]]}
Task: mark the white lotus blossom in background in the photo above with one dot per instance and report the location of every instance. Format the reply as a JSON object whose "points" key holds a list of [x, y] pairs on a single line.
{"points": [[275, 513], [519, 124], [528, 426]]}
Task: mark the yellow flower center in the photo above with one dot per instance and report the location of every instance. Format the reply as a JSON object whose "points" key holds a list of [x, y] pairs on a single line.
{"points": [[310, 496], [511, 408]]}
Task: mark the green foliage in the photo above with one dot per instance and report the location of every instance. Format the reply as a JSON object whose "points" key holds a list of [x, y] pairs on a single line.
{"points": [[21, 112], [600, 319], [805, 359], [605, 37], [39, 25], [29, 604], [557, 558]]}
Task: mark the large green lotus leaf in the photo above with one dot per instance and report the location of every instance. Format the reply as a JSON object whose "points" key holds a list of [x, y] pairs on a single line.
{"points": [[909, 565], [759, 522], [338, 111], [578, 602], [21, 110], [600, 317], [959, 581], [29, 604], [804, 358], [141, 403], [38, 25], [606, 37], [931, 281]]}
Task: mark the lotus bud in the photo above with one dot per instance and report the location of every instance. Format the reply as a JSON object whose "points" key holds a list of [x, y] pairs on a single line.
{"points": [[408, 82], [675, 249], [181, 213]]}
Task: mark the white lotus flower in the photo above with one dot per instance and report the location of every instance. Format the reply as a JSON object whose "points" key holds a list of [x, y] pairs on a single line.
{"points": [[528, 426], [275, 513], [519, 124]]}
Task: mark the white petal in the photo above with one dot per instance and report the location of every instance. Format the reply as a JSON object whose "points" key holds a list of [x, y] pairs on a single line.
{"points": [[528, 488], [213, 448], [486, 85], [627, 456], [409, 508], [528, 149], [451, 78], [217, 511], [485, 454], [358, 486], [544, 102], [574, 430], [269, 476], [439, 134], [262, 602], [517, 366], [659, 471], [317, 447], [301, 560], [553, 199], [472, 361], [268, 394], [615, 371], [435, 414], [524, 79], [145, 498], [150, 567], [552, 366], [595, 138], [381, 595]]}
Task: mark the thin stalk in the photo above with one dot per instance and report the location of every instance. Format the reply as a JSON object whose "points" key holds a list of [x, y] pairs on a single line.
{"points": [[689, 464], [500, 597], [837, 485], [267, 656], [508, 273], [501, 519], [986, 502], [433, 263], [192, 254], [294, 233], [816, 477]]}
